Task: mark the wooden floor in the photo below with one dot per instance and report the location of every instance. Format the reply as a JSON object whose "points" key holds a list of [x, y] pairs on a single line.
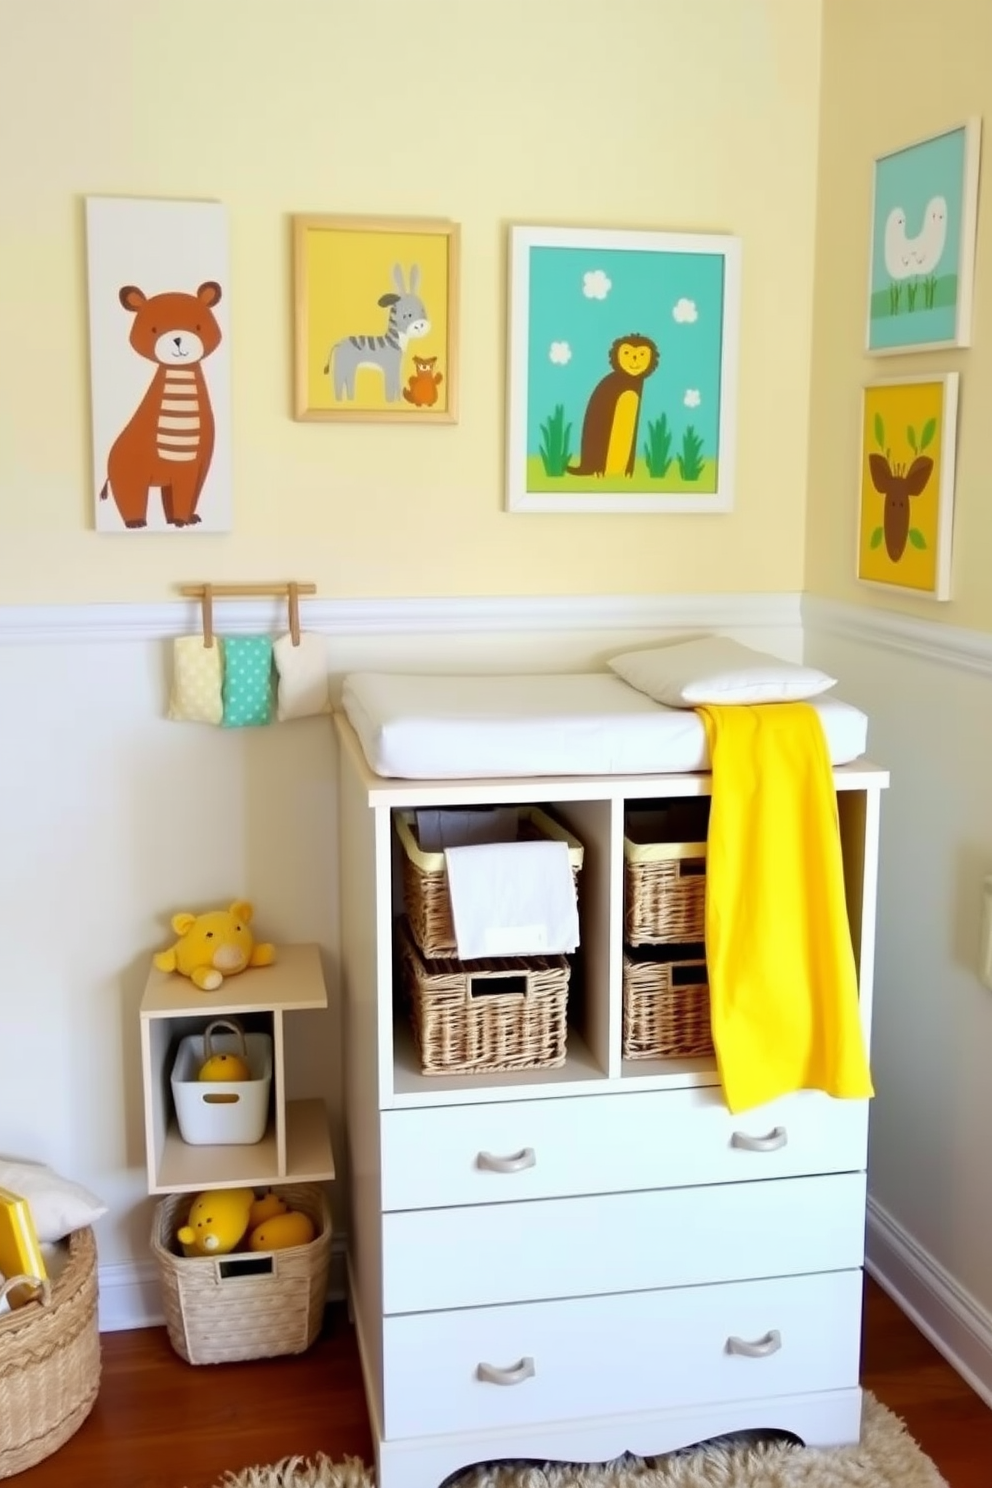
{"points": [[161, 1423]]}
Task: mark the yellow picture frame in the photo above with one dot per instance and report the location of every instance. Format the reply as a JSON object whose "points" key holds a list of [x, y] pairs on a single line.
{"points": [[376, 318], [906, 483]]}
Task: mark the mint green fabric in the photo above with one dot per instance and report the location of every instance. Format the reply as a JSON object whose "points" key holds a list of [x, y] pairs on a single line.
{"points": [[247, 681]]}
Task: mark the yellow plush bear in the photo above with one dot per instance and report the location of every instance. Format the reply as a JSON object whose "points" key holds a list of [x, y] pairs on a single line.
{"points": [[214, 945]]}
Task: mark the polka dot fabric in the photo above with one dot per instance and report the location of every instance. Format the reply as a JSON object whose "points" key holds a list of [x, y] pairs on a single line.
{"points": [[196, 681], [247, 687]]}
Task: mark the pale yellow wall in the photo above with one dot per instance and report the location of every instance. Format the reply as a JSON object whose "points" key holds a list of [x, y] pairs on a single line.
{"points": [[894, 73], [674, 114]]}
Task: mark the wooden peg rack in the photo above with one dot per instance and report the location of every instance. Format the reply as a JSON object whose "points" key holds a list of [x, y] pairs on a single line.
{"points": [[207, 593]]}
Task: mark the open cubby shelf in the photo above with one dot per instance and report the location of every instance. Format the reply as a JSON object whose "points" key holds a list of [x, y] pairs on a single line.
{"points": [[296, 1144]]}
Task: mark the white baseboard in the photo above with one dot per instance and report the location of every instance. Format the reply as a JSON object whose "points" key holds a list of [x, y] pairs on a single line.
{"points": [[130, 1295], [956, 1325]]}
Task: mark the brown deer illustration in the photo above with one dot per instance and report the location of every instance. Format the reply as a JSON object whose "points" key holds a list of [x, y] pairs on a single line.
{"points": [[897, 484]]}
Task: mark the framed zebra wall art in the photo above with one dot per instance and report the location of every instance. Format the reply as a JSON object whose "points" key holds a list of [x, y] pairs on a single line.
{"points": [[158, 290], [376, 302]]}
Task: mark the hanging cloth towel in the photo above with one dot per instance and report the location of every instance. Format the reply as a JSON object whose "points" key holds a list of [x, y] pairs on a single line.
{"points": [[197, 681], [247, 687], [301, 665], [783, 981], [512, 899]]}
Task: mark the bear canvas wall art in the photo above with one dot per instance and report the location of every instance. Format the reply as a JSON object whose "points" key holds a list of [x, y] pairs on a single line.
{"points": [[159, 364]]}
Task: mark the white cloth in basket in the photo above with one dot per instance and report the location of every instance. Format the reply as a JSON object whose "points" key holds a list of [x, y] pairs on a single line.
{"points": [[512, 899]]}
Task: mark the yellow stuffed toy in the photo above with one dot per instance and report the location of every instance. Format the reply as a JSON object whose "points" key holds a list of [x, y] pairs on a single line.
{"points": [[223, 1220], [214, 945], [217, 1221]]}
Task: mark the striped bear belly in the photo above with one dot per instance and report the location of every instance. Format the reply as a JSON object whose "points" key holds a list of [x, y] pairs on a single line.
{"points": [[178, 431]]}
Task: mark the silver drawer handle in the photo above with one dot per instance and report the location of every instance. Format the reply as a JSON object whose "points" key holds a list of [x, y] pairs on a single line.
{"points": [[493, 1375], [770, 1344], [776, 1138], [525, 1158]]}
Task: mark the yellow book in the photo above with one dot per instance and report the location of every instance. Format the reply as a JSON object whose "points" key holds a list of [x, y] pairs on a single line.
{"points": [[20, 1252]]}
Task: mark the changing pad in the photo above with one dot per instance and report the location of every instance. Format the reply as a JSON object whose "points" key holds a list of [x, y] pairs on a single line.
{"points": [[587, 723]]}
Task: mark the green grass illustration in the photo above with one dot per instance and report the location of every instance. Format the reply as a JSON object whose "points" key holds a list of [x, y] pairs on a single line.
{"points": [[641, 483], [658, 447], [691, 462], [555, 446], [937, 294]]}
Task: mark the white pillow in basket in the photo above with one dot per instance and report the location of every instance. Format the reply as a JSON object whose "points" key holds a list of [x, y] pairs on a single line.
{"points": [[58, 1206], [716, 669]]}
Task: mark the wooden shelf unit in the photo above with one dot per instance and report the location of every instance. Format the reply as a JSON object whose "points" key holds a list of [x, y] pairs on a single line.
{"points": [[296, 1146]]}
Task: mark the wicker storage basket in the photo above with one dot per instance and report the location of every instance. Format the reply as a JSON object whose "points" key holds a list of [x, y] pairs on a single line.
{"points": [[664, 861], [508, 1013], [666, 1004], [425, 881], [50, 1362], [249, 1305]]}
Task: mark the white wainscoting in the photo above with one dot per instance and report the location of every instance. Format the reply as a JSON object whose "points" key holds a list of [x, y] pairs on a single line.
{"points": [[113, 818], [927, 689]]}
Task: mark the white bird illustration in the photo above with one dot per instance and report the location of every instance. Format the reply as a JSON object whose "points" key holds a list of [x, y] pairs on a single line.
{"points": [[921, 254], [929, 244]]}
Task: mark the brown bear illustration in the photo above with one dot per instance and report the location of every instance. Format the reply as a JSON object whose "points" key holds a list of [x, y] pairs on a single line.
{"points": [[169, 440]]}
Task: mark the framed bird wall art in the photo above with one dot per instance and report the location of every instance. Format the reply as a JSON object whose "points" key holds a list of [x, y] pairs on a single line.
{"points": [[923, 226]]}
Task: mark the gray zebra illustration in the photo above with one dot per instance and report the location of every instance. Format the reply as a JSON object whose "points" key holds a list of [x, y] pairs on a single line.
{"points": [[407, 322]]}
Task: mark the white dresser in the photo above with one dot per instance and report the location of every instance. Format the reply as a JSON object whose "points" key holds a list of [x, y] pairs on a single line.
{"points": [[571, 1263]]}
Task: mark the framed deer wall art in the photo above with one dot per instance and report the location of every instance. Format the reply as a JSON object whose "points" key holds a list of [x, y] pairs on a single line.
{"points": [[160, 365], [908, 436], [376, 301]]}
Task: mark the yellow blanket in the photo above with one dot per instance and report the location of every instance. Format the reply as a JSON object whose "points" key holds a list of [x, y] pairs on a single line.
{"points": [[783, 982]]}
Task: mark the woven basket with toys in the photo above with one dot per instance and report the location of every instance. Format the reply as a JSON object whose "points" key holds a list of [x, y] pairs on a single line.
{"points": [[244, 1273]]}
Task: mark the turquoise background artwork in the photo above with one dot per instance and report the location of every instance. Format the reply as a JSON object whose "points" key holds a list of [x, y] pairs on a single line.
{"points": [[580, 300], [921, 307]]}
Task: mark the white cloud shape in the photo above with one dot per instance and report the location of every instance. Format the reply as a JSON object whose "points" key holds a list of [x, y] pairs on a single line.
{"points": [[560, 353], [596, 285], [691, 399], [684, 311]]}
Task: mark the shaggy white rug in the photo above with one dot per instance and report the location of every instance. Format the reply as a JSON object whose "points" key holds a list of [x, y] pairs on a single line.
{"points": [[886, 1457]]}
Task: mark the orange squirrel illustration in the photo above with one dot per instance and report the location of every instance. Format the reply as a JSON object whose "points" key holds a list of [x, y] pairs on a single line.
{"points": [[423, 383], [169, 440]]}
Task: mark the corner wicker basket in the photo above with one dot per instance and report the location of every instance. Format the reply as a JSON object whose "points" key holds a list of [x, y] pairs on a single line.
{"points": [[425, 881], [247, 1305], [664, 891], [666, 1004], [473, 1017], [50, 1361]]}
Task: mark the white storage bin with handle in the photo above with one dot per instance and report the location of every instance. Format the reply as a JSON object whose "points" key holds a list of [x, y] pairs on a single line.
{"points": [[222, 1112]]}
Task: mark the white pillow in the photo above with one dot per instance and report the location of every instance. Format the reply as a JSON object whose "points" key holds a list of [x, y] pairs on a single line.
{"points": [[716, 669], [58, 1206]]}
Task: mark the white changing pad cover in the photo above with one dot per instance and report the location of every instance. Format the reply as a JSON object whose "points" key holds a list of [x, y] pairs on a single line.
{"points": [[418, 727]]}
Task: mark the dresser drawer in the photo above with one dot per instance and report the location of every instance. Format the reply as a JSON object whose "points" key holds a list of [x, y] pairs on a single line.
{"points": [[512, 1366], [536, 1149], [486, 1254]]}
